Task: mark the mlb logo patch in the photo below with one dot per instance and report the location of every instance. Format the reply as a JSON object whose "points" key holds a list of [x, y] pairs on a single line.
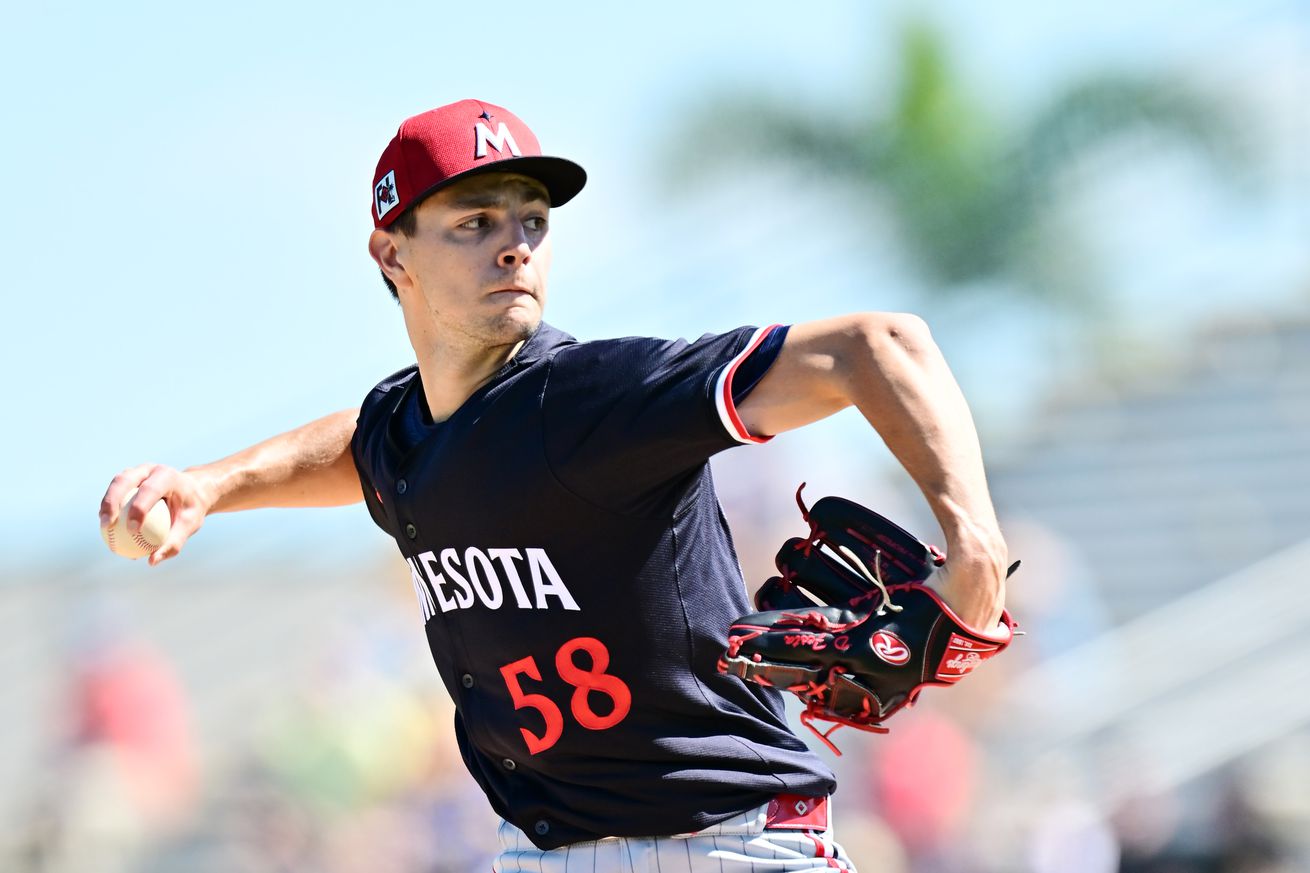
{"points": [[385, 197]]}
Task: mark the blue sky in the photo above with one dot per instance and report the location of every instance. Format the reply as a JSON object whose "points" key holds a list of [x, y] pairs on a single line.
{"points": [[184, 267]]}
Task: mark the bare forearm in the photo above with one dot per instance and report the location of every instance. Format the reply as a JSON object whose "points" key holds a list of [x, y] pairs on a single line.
{"points": [[906, 391], [308, 466], [902, 385]]}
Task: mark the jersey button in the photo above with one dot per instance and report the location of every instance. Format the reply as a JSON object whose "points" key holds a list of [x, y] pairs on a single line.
{"points": [[509, 764], [467, 679], [402, 486], [542, 828], [411, 531]]}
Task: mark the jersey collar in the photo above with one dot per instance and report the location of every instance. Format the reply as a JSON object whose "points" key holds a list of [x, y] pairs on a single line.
{"points": [[544, 340]]}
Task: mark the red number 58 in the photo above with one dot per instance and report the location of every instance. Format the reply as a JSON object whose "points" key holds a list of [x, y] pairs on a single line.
{"points": [[583, 681]]}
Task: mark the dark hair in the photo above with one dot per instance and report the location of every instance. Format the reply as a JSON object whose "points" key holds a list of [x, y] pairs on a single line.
{"points": [[406, 224]]}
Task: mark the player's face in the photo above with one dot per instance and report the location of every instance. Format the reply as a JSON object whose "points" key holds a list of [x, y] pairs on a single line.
{"points": [[480, 257]]}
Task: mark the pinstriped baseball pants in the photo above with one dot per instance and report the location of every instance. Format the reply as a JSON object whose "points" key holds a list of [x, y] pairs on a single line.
{"points": [[739, 845]]}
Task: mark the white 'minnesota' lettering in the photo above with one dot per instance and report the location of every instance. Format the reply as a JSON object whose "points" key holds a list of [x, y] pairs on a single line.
{"points": [[507, 557], [540, 565], [450, 563], [491, 596], [457, 586], [498, 140], [428, 562], [425, 604]]}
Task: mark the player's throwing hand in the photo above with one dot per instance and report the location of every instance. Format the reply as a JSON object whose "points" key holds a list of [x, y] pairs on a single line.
{"points": [[187, 497]]}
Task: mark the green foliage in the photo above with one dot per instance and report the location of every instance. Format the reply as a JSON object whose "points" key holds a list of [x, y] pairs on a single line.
{"points": [[972, 197]]}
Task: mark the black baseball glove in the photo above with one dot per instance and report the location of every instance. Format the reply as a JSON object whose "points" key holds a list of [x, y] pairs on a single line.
{"points": [[849, 625]]}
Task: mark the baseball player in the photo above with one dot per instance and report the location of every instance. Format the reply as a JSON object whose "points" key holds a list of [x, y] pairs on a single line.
{"points": [[553, 501]]}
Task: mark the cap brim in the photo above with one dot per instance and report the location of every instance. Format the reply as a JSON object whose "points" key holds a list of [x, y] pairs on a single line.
{"points": [[563, 178]]}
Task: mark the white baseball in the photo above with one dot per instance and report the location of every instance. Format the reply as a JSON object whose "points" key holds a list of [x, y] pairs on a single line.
{"points": [[123, 542]]}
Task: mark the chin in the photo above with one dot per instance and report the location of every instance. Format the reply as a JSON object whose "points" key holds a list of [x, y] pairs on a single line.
{"points": [[516, 324]]}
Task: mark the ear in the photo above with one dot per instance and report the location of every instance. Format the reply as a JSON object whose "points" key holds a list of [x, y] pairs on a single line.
{"points": [[384, 247]]}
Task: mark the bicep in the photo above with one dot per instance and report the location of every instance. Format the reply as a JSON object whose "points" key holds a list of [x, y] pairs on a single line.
{"points": [[807, 381], [341, 484]]}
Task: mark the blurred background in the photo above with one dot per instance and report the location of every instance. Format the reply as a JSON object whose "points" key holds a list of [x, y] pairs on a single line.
{"points": [[1101, 209]]}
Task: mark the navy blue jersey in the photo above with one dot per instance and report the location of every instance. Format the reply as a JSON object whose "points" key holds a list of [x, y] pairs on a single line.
{"points": [[577, 579]]}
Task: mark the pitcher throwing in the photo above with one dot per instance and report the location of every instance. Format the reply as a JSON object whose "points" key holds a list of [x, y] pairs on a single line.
{"points": [[553, 500]]}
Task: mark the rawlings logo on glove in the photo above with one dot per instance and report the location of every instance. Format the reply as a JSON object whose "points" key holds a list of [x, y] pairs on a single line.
{"points": [[850, 627], [888, 646]]}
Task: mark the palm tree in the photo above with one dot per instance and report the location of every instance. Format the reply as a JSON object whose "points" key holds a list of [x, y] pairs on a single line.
{"points": [[971, 198]]}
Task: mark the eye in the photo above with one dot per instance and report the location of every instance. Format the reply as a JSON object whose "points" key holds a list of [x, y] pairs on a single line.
{"points": [[536, 222], [477, 222]]}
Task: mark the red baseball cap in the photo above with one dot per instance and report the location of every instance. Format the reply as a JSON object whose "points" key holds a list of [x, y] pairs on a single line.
{"points": [[434, 148]]}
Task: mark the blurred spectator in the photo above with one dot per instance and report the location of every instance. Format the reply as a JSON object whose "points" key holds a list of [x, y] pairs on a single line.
{"points": [[1247, 841], [367, 751], [1231, 835], [128, 704], [125, 774], [923, 780]]}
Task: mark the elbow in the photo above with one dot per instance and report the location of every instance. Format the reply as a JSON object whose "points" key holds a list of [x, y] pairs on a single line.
{"points": [[897, 332]]}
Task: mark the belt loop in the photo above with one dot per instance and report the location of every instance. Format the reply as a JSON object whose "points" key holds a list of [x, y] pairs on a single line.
{"points": [[798, 813]]}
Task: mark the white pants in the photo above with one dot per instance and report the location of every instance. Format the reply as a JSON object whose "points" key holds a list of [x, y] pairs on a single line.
{"points": [[738, 845]]}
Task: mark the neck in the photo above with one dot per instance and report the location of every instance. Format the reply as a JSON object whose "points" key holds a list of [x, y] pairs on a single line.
{"points": [[451, 374]]}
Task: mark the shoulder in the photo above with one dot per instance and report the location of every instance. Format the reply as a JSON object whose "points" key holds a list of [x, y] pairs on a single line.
{"points": [[635, 354], [396, 382], [636, 347], [384, 397]]}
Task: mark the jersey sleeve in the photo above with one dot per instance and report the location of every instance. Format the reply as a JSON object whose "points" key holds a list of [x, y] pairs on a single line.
{"points": [[625, 419], [366, 444]]}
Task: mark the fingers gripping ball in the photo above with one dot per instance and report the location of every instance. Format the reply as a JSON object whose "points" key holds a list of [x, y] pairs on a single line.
{"points": [[154, 528], [850, 627]]}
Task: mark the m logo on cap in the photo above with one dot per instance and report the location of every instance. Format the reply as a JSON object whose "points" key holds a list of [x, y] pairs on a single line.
{"points": [[498, 140], [384, 195]]}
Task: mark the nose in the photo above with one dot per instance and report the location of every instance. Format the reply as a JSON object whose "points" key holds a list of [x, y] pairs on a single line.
{"points": [[516, 251]]}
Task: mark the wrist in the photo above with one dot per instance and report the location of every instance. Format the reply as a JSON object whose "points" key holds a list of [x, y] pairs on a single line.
{"points": [[977, 558], [974, 592], [211, 485], [973, 543], [963, 510]]}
